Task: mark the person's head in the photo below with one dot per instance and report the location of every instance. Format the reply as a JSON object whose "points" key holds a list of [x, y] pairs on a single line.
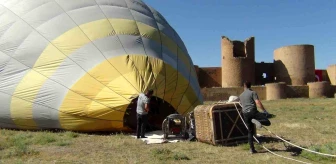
{"points": [[149, 92], [247, 84]]}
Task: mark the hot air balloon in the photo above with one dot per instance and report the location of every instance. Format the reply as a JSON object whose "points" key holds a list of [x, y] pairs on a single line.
{"points": [[80, 65]]}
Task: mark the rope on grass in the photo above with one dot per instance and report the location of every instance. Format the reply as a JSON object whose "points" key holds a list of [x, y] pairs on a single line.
{"points": [[261, 143], [312, 151]]}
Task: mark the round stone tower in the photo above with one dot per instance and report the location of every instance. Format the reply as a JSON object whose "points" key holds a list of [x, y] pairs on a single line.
{"points": [[319, 89], [295, 64], [238, 64], [332, 74], [275, 91]]}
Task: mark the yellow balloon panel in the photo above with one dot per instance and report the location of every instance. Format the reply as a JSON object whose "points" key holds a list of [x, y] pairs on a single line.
{"points": [[146, 68]]}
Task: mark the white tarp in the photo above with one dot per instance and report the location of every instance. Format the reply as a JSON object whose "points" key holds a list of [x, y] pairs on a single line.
{"points": [[156, 137]]}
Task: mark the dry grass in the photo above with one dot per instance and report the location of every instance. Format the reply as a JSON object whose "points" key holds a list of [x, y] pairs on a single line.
{"points": [[306, 122]]}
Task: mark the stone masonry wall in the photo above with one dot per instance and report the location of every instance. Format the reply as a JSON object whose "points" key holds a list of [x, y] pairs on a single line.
{"points": [[210, 77]]}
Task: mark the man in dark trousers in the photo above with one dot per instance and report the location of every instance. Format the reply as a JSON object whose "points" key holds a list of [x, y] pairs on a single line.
{"points": [[142, 112], [250, 101]]}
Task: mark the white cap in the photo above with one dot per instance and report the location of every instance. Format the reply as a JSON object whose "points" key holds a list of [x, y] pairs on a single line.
{"points": [[233, 99]]}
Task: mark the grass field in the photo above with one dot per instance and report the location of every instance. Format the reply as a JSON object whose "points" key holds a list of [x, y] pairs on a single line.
{"points": [[306, 122]]}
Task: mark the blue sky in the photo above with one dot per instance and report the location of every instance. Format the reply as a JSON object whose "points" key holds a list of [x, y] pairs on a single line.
{"points": [[273, 23]]}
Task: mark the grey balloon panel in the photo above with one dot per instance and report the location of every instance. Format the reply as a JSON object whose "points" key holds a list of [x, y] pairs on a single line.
{"points": [[7, 125], [39, 15], [69, 5], [152, 48], [158, 17], [167, 31], [26, 47], [123, 13], [85, 15], [60, 25], [30, 49], [25, 6], [57, 26], [180, 43], [11, 75], [4, 28], [144, 19], [132, 44], [6, 22], [142, 15], [11, 39], [116, 12], [2, 10], [4, 59], [5, 114], [11, 2], [119, 3], [45, 116], [139, 7], [76, 9], [110, 44]]}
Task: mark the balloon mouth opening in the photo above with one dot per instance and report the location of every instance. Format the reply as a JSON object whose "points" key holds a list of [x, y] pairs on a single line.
{"points": [[159, 110]]}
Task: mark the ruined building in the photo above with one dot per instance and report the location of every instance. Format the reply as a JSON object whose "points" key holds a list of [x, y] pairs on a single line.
{"points": [[238, 62], [293, 65]]}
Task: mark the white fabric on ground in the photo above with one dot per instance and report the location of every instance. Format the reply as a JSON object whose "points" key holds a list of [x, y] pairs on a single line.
{"points": [[156, 137]]}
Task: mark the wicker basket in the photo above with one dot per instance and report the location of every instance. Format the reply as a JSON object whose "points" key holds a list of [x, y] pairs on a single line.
{"points": [[219, 124]]}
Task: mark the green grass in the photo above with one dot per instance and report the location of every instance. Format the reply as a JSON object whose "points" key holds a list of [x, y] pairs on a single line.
{"points": [[45, 139], [63, 143], [329, 148], [306, 122], [166, 154], [246, 147], [20, 144], [71, 134]]}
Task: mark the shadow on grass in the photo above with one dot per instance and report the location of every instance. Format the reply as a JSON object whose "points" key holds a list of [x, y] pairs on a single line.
{"points": [[266, 140], [289, 149], [294, 151]]}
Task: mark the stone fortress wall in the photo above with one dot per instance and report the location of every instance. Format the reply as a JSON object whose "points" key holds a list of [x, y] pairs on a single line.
{"points": [[291, 75]]}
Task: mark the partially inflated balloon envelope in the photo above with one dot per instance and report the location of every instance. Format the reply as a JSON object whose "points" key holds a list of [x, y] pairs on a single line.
{"points": [[80, 65]]}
